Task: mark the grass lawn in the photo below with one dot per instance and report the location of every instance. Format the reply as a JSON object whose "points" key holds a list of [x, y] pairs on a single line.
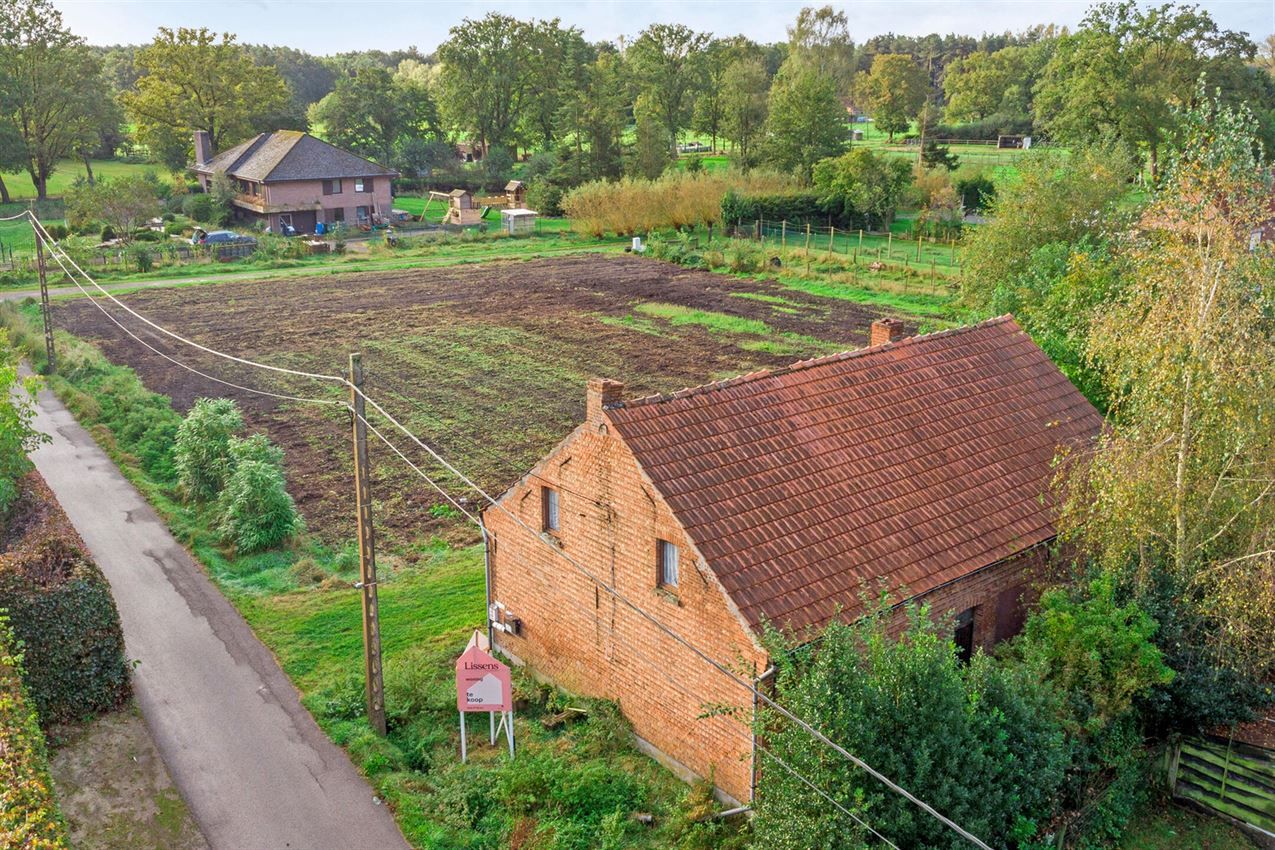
{"points": [[69, 170], [1163, 826]]}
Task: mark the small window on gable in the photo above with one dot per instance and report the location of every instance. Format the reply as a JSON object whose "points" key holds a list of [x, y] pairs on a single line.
{"points": [[666, 561], [549, 513]]}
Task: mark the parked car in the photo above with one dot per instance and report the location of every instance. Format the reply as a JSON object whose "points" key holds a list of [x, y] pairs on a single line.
{"points": [[219, 237]]}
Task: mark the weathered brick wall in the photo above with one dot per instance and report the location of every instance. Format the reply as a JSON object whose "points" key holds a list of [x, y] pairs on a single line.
{"points": [[999, 594], [579, 637]]}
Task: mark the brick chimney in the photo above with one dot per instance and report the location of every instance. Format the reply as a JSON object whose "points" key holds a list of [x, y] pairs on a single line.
{"points": [[601, 392], [203, 147], [886, 330]]}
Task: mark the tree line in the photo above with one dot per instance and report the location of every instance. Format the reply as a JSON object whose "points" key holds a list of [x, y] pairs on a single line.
{"points": [[602, 110]]}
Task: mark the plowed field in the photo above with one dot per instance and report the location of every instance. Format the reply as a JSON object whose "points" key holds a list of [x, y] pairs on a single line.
{"points": [[486, 362]]}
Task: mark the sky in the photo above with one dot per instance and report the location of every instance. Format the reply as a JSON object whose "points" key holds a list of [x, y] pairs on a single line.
{"points": [[334, 26]]}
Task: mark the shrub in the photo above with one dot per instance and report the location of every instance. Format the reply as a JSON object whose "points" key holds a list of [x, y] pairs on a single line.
{"points": [[676, 200], [202, 453], [29, 815], [976, 190], [797, 207], [255, 508], [57, 232], [143, 259], [198, 206], [987, 129], [108, 233], [174, 228], [912, 710], [62, 610]]}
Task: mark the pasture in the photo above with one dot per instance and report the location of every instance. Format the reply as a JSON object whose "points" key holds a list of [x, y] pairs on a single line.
{"points": [[486, 362]]}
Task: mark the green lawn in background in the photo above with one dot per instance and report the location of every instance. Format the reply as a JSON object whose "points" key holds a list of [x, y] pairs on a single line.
{"points": [[69, 170]]}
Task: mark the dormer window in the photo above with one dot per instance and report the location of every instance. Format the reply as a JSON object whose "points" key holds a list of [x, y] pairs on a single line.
{"points": [[549, 514], [666, 556]]}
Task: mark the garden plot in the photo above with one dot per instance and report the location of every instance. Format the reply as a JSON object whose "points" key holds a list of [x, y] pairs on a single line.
{"points": [[485, 362]]}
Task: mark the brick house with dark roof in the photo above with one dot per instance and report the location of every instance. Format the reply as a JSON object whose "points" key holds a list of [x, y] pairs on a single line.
{"points": [[290, 177], [917, 465]]}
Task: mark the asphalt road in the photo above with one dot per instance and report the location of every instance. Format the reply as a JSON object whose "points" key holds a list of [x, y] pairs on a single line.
{"points": [[254, 768]]}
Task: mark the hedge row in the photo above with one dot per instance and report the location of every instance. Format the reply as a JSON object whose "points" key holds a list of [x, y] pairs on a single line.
{"points": [[797, 207], [987, 129], [29, 815], [62, 611]]}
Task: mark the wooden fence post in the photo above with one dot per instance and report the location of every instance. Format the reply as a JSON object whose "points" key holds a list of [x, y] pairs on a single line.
{"points": [[832, 234], [783, 234]]}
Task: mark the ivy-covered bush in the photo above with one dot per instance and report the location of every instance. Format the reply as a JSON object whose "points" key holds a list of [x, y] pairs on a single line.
{"points": [[61, 610], [256, 510], [202, 455], [29, 815]]}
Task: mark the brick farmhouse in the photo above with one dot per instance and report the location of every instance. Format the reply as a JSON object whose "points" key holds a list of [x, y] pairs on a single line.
{"points": [[919, 465], [291, 178]]}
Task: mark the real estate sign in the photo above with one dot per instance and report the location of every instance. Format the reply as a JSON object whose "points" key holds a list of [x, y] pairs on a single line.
{"points": [[482, 682]]}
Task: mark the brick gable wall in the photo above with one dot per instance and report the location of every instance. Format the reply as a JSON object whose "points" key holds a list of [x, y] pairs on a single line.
{"points": [[580, 638]]}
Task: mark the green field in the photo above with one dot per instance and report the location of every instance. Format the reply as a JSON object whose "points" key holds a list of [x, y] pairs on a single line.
{"points": [[70, 170]]}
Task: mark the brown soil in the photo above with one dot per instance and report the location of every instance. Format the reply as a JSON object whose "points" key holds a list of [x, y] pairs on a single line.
{"points": [[486, 362]]}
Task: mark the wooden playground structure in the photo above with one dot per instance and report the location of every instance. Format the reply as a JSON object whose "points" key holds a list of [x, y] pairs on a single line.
{"points": [[462, 208]]}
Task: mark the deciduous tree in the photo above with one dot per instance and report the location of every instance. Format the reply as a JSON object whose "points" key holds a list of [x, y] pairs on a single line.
{"points": [[49, 80], [819, 41], [484, 80], [192, 80], [893, 91], [1128, 68], [123, 203], [669, 62], [1184, 479], [745, 106], [807, 123]]}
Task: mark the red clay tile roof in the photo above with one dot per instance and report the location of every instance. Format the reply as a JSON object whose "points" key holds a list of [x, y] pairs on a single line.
{"points": [[916, 462]]}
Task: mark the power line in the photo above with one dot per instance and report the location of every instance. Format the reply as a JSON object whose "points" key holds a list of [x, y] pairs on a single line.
{"points": [[185, 366], [180, 338], [721, 668], [579, 567]]}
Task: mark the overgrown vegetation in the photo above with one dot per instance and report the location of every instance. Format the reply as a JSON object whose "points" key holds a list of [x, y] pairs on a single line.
{"points": [[62, 611], [1010, 747], [29, 814]]}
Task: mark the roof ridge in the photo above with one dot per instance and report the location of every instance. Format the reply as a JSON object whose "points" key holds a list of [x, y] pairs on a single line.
{"points": [[725, 383]]}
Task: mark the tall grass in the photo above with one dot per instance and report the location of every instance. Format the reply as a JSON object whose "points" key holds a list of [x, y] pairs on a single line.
{"points": [[675, 200]]}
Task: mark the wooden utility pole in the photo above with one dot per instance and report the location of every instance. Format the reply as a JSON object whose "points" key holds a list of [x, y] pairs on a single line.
{"points": [[367, 555], [44, 298]]}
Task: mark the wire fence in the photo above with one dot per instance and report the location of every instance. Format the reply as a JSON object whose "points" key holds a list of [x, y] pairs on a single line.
{"points": [[905, 261]]}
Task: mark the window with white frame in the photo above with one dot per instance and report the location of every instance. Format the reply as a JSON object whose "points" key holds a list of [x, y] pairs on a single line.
{"points": [[666, 556], [549, 512]]}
